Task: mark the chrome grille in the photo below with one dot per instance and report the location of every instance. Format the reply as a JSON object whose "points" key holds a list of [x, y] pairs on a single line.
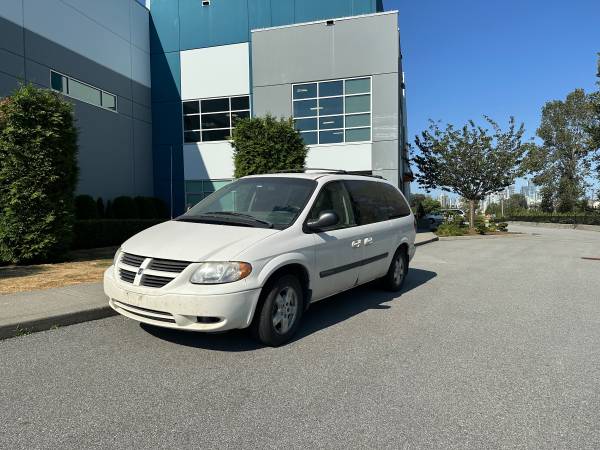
{"points": [[132, 260], [168, 265], [155, 281], [127, 275]]}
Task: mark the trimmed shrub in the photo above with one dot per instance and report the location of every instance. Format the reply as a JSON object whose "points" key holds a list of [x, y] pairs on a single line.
{"points": [[151, 208], [265, 145], [85, 208], [100, 207], [108, 232], [124, 208], [38, 175], [450, 229]]}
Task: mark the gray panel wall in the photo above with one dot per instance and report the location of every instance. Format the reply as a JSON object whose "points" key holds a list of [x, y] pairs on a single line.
{"points": [[360, 46], [115, 149]]}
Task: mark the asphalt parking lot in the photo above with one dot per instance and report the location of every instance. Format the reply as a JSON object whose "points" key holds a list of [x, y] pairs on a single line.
{"points": [[493, 343]]}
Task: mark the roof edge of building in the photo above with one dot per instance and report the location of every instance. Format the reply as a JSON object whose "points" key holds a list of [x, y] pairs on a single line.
{"points": [[336, 19]]}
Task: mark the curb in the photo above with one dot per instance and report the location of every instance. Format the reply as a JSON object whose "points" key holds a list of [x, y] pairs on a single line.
{"points": [[60, 320], [558, 226], [428, 241], [484, 236]]}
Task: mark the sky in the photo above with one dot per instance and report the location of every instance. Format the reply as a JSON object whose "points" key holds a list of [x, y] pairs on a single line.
{"points": [[466, 58]]}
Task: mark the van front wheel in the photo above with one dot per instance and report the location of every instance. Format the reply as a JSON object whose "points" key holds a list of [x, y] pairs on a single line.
{"points": [[279, 316]]}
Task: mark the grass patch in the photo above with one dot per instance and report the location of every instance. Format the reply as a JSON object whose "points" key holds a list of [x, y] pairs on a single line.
{"points": [[83, 266]]}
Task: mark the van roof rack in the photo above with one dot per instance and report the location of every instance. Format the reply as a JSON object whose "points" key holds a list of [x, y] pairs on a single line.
{"points": [[362, 173], [307, 169]]}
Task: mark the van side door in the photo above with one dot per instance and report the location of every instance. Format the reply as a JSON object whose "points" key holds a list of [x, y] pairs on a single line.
{"points": [[338, 249], [381, 212]]}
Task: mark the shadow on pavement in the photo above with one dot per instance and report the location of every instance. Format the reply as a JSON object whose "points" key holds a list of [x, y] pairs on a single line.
{"points": [[319, 316]]}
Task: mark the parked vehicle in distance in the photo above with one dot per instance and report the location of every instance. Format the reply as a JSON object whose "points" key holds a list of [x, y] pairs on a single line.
{"points": [[258, 251], [436, 218], [454, 211]]}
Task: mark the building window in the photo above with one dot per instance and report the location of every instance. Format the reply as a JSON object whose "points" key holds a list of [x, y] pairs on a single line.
{"points": [[197, 190], [212, 119], [82, 91], [332, 112]]}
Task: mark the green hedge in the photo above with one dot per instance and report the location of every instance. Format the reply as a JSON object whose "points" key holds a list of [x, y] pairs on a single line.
{"points": [[584, 219], [108, 232]]}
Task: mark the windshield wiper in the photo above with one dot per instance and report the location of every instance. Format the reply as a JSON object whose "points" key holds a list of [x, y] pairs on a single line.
{"points": [[240, 215]]}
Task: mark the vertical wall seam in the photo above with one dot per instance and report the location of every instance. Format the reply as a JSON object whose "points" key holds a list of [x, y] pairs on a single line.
{"points": [[131, 88], [24, 43]]}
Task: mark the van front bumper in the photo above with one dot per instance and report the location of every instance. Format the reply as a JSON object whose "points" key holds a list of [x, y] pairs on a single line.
{"points": [[209, 313]]}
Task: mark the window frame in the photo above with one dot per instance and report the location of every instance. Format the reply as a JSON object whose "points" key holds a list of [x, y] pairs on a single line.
{"points": [[200, 114], [343, 113], [309, 208], [66, 93]]}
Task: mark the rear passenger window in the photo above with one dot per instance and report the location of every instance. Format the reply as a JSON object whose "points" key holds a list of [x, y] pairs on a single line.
{"points": [[395, 202], [375, 201]]}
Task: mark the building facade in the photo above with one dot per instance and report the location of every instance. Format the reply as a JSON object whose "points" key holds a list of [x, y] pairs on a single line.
{"points": [[98, 55], [157, 93]]}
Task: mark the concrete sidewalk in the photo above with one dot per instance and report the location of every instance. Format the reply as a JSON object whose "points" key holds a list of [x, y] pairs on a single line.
{"points": [[26, 312], [425, 237]]}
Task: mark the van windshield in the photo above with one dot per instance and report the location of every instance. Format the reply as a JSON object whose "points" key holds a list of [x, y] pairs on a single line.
{"points": [[266, 202]]}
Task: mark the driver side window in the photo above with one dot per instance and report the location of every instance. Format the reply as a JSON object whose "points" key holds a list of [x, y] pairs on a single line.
{"points": [[334, 197]]}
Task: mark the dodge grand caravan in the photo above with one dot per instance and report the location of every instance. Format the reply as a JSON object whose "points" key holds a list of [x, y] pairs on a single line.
{"points": [[257, 252]]}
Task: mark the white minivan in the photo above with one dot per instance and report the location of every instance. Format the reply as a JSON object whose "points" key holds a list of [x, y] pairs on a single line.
{"points": [[258, 251]]}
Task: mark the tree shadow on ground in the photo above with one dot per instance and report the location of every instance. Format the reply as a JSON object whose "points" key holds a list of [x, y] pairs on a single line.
{"points": [[20, 271], [320, 315]]}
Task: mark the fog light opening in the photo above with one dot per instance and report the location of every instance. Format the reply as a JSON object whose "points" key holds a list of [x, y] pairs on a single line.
{"points": [[207, 319]]}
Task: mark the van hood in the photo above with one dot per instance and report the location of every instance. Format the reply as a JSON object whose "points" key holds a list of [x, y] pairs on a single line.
{"points": [[187, 241]]}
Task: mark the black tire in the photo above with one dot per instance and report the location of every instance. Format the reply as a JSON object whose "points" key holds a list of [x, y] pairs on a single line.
{"points": [[265, 326], [396, 274]]}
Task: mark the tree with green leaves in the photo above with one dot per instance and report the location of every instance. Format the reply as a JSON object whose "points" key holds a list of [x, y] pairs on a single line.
{"points": [[38, 175], [472, 161], [266, 144], [594, 128], [562, 164]]}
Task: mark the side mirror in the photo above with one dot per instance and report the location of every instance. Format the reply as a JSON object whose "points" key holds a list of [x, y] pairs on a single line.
{"points": [[326, 219]]}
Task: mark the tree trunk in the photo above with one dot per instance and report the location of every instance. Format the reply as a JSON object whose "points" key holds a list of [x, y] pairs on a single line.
{"points": [[471, 215]]}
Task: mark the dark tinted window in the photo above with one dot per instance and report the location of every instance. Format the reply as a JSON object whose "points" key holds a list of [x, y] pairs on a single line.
{"points": [[395, 202], [375, 201]]}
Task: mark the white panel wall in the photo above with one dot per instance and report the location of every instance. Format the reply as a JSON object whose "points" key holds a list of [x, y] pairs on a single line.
{"points": [[12, 10], [215, 72], [344, 157], [205, 161], [102, 31]]}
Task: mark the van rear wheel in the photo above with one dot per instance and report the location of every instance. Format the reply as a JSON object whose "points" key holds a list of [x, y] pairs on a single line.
{"points": [[394, 279], [279, 316]]}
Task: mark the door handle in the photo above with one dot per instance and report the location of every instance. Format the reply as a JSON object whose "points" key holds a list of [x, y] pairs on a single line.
{"points": [[356, 244], [368, 241]]}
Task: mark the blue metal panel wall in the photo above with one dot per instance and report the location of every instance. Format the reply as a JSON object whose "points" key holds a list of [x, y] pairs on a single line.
{"points": [[309, 10], [164, 26], [221, 23], [230, 22]]}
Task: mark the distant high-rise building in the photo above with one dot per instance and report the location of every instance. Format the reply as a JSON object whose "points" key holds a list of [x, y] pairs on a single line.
{"points": [[444, 200], [531, 193]]}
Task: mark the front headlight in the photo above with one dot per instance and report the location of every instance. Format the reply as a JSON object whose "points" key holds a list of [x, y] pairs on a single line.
{"points": [[116, 257], [220, 272]]}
